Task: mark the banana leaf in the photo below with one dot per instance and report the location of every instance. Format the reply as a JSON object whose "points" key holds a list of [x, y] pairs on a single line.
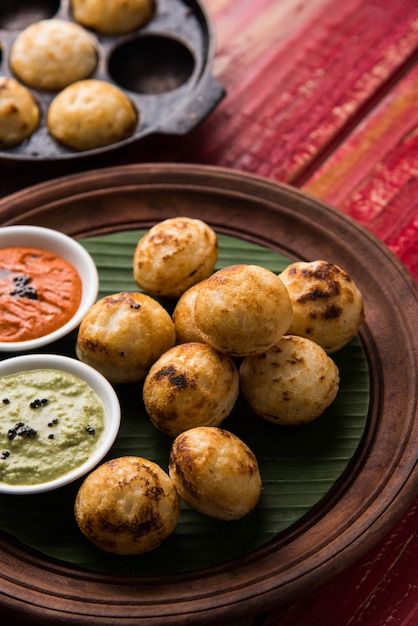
{"points": [[298, 465]]}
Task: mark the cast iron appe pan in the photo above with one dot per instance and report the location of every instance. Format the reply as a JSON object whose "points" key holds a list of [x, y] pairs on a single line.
{"points": [[165, 67]]}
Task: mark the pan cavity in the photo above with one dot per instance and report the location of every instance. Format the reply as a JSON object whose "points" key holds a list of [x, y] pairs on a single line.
{"points": [[151, 64], [18, 14]]}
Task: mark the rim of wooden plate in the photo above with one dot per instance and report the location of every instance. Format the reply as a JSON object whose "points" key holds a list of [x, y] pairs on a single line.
{"points": [[364, 503]]}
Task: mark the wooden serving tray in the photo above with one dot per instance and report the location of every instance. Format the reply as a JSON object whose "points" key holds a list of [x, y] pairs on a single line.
{"points": [[364, 503]]}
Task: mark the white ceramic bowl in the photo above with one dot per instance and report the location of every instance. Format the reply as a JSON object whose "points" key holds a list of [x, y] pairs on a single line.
{"points": [[105, 391], [68, 249]]}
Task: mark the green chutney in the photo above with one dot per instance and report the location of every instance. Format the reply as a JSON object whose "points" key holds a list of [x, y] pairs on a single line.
{"points": [[50, 423]]}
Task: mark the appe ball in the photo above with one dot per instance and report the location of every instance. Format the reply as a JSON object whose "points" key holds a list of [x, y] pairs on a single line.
{"points": [[19, 112], [242, 310], [190, 385], [127, 505], [90, 114], [174, 255], [183, 317], [113, 17], [53, 53], [215, 472], [290, 384], [327, 305], [123, 334]]}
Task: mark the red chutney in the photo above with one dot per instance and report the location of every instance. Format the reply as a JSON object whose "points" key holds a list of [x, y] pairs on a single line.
{"points": [[39, 293]]}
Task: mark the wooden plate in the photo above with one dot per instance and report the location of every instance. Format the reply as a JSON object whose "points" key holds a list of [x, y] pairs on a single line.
{"points": [[364, 503]]}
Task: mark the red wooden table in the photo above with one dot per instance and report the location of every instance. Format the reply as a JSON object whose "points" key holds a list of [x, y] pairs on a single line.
{"points": [[322, 95]]}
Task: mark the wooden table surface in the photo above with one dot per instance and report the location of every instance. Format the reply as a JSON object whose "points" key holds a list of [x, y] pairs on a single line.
{"points": [[322, 95]]}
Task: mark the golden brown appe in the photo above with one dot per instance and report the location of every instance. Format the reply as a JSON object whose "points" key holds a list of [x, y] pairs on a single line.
{"points": [[327, 305], [215, 472], [190, 385], [242, 310], [183, 317], [292, 383], [127, 505], [174, 255], [113, 17], [19, 112], [53, 53], [91, 114], [123, 334]]}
